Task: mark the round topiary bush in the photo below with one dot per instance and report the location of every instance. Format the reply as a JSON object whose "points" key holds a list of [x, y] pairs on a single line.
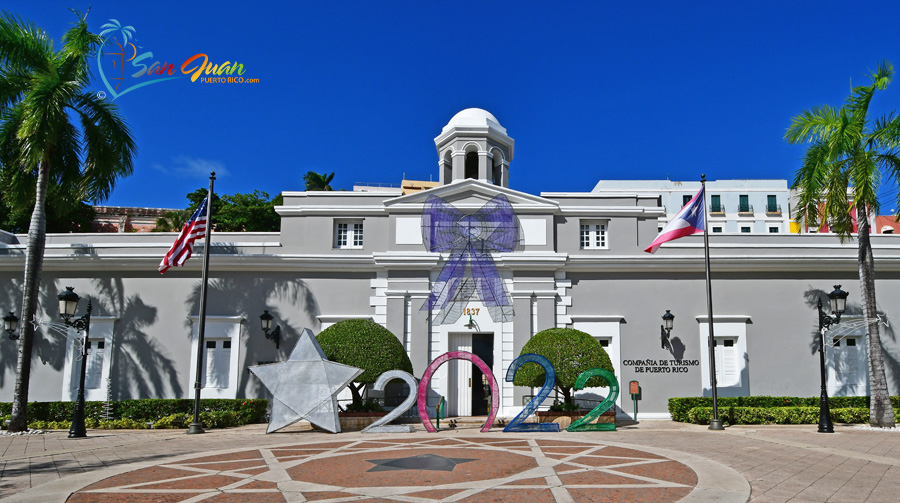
{"points": [[366, 345], [571, 352]]}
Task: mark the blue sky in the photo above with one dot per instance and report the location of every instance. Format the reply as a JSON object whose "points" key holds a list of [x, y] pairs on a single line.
{"points": [[589, 90]]}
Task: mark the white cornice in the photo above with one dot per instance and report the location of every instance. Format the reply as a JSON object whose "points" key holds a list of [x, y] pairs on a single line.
{"points": [[339, 211], [334, 318], [597, 318], [618, 211], [725, 318]]}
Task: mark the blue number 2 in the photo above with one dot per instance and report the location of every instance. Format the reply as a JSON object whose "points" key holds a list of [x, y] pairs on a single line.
{"points": [[517, 423]]}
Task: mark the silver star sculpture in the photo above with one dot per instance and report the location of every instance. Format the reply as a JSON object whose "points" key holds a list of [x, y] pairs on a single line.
{"points": [[305, 386]]}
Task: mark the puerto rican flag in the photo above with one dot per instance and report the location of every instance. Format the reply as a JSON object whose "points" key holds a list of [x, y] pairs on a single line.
{"points": [[690, 220], [181, 250]]}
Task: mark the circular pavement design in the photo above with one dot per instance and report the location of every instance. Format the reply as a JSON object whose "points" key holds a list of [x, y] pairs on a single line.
{"points": [[465, 469]]}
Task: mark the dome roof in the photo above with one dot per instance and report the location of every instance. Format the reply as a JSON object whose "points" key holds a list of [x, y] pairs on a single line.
{"points": [[474, 117]]}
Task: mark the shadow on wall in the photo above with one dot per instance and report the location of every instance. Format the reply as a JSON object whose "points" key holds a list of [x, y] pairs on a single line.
{"points": [[49, 347], [133, 350], [249, 296], [885, 329], [139, 365]]}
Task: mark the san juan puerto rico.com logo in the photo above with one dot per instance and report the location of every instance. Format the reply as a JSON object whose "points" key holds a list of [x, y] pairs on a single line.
{"points": [[125, 66]]}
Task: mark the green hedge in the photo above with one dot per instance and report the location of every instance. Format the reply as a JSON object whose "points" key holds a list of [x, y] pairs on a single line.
{"points": [[220, 412], [679, 408], [778, 415]]}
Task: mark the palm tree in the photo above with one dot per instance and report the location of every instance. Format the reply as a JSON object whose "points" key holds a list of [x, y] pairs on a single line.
{"points": [[52, 127], [848, 156], [316, 181]]}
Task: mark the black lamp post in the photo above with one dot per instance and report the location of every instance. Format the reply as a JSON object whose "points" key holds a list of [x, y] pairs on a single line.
{"points": [[10, 324], [265, 320], [838, 301], [666, 327], [68, 303]]}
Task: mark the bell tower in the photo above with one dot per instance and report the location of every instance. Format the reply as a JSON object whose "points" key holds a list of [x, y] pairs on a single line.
{"points": [[474, 145]]}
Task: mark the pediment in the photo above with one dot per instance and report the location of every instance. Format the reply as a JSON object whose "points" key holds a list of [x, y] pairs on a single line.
{"points": [[472, 194]]}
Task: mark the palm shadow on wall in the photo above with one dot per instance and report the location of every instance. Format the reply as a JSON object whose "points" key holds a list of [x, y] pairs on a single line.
{"points": [[49, 344], [848, 327], [248, 296], [139, 366]]}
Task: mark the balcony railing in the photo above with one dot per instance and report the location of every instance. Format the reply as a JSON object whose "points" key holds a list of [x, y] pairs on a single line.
{"points": [[745, 209], [773, 210]]}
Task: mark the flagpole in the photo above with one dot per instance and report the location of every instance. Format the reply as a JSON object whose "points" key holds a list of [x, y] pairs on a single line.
{"points": [[196, 426], [715, 423]]}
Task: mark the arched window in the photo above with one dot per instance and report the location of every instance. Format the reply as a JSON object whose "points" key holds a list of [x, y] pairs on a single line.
{"points": [[472, 165], [497, 170]]}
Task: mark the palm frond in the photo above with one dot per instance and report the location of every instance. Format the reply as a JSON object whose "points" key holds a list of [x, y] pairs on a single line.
{"points": [[23, 44], [810, 180], [813, 125], [865, 177], [109, 146], [885, 132]]}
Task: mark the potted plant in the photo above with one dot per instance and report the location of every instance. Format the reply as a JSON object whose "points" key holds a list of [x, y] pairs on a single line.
{"points": [[571, 352], [367, 345]]}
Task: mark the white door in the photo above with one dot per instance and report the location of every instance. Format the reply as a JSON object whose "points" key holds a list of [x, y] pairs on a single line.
{"points": [[850, 367], [727, 371], [459, 389]]}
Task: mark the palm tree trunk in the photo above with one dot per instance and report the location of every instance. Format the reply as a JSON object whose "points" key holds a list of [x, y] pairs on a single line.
{"points": [[881, 413], [34, 258]]}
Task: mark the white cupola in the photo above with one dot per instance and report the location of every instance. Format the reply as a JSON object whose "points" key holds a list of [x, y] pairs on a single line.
{"points": [[474, 145]]}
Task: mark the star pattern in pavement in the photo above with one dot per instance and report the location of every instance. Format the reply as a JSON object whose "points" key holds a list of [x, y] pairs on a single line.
{"points": [[432, 462], [305, 386]]}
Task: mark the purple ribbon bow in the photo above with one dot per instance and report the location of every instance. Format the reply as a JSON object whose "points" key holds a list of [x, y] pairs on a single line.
{"points": [[469, 239]]}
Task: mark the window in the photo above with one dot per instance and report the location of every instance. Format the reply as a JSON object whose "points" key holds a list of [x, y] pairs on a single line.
{"points": [[773, 230], [727, 371], [745, 229], [715, 204], [218, 363], [93, 377], [772, 204], [731, 358], [685, 199], [593, 235], [97, 365], [717, 229], [744, 203], [848, 372], [221, 355], [348, 234]]}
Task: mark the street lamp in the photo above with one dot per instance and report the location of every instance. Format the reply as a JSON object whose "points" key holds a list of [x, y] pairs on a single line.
{"points": [[838, 301], [666, 327], [265, 320], [10, 324], [68, 303]]}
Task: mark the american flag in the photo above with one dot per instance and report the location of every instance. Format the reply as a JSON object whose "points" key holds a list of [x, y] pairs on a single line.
{"points": [[194, 229]]}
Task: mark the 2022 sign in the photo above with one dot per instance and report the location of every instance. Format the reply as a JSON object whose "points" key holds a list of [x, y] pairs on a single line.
{"points": [[518, 423]]}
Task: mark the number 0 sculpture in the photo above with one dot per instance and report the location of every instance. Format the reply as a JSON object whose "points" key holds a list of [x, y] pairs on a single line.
{"points": [[457, 355]]}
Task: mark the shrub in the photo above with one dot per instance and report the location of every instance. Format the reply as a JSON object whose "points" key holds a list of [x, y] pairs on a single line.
{"points": [[218, 419], [122, 424], [679, 407], [366, 406], [571, 352], [245, 411], [173, 421], [564, 407], [366, 345], [778, 415]]}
